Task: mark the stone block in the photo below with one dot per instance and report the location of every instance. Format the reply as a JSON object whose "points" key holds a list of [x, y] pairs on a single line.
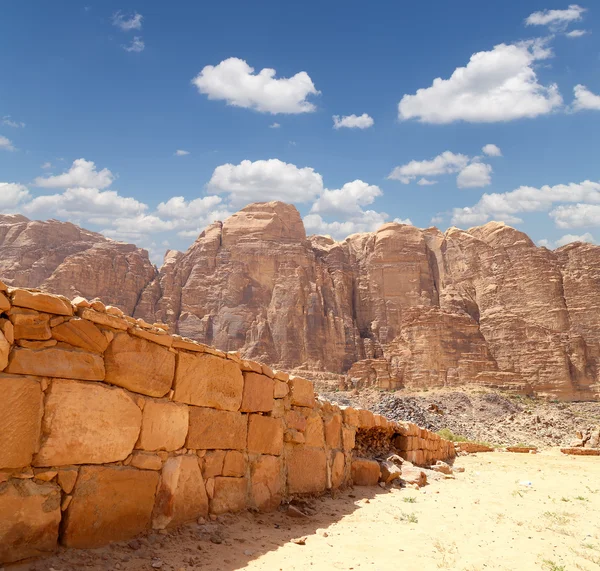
{"points": [[4, 302], [29, 324], [333, 431], [209, 381], [58, 361], [103, 319], [67, 478], [41, 302], [29, 519], [87, 423], [365, 472], [230, 495], [110, 503], [280, 389], [266, 483], [348, 438], [216, 429], [314, 434], [21, 409], [306, 470], [296, 420], [181, 495], [258, 393], [302, 392], [164, 425], [81, 333], [212, 463], [234, 464], [351, 416], [366, 419], [139, 365], [265, 435], [337, 469], [145, 460]]}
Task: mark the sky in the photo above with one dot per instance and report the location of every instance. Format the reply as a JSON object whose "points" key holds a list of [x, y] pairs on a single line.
{"points": [[146, 121]]}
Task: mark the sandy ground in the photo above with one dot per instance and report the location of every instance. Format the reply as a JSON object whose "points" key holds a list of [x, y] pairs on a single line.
{"points": [[506, 511]]}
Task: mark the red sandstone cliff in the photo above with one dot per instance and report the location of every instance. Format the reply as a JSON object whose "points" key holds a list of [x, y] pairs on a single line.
{"points": [[400, 306]]}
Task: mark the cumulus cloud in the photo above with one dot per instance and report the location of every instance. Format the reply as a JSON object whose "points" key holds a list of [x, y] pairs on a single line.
{"points": [[506, 206], [367, 221], [576, 33], [137, 45], [496, 85], [82, 173], [576, 215], [426, 182], [363, 121], [47, 165], [125, 23], [181, 153], [475, 175], [11, 195], [235, 82], [585, 99], [570, 238], [178, 208], [445, 163], [556, 19], [347, 200], [5, 144], [265, 180], [274, 126], [491, 150], [7, 120]]}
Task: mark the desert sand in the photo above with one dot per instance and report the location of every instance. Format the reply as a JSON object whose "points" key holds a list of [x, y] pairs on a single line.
{"points": [[505, 511]]}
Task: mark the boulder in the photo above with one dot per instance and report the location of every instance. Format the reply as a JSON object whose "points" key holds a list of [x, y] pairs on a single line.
{"points": [[266, 483], [110, 503], [87, 423], [365, 472], [208, 381], [164, 425], [216, 429], [389, 472], [413, 475], [21, 409], [306, 469], [258, 393], [265, 435]]}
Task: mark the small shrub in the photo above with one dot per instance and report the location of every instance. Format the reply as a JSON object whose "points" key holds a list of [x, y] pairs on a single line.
{"points": [[409, 518], [449, 435], [409, 499]]}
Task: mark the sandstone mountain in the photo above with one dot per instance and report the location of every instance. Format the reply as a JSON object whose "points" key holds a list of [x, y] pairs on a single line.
{"points": [[399, 307]]}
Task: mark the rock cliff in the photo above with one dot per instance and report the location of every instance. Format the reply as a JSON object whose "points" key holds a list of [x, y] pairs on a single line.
{"points": [[399, 307]]}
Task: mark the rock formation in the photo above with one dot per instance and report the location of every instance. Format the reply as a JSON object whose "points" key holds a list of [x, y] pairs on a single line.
{"points": [[399, 307]]}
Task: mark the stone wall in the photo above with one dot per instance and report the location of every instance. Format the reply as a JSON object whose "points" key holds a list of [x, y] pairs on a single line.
{"points": [[110, 426]]}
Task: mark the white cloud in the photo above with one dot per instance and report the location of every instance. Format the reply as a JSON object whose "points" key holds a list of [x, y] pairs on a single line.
{"points": [[47, 165], [137, 45], [426, 182], [576, 33], [403, 221], [178, 208], [181, 153], [576, 215], [7, 120], [475, 175], [274, 126], [82, 173], [234, 81], [5, 144], [363, 121], [570, 238], [505, 206], [585, 99], [11, 195], [545, 243], [491, 150], [126, 24], [84, 204], [367, 221], [346, 201], [445, 163], [556, 19], [266, 180], [496, 85], [437, 219]]}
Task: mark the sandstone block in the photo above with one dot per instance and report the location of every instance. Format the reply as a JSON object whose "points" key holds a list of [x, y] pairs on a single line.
{"points": [[7, 328], [4, 351], [337, 469], [67, 478], [164, 425], [21, 409], [258, 393], [110, 503], [29, 519], [366, 419], [159, 338], [81, 333], [234, 464], [280, 389], [102, 318], [348, 438], [87, 424], [365, 472], [302, 392], [333, 431], [266, 483], [230, 495], [41, 302], [146, 460], [56, 362], [351, 416], [296, 420], [265, 435], [4, 302], [389, 472], [314, 434], [181, 495], [212, 464], [139, 365], [205, 380], [306, 470], [29, 324], [413, 475], [216, 429]]}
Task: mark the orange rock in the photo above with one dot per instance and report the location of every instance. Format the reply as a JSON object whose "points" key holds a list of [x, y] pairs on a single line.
{"points": [[314, 434], [205, 380], [258, 393], [110, 503], [4, 351], [337, 469], [67, 478], [230, 495], [41, 302], [281, 389], [306, 469], [87, 423], [30, 516], [4, 302], [103, 318], [365, 472], [302, 392], [146, 460], [216, 429], [139, 365], [234, 464], [212, 464], [266, 483], [333, 431], [265, 435], [164, 425], [181, 495], [348, 438], [81, 333], [29, 324], [296, 420]]}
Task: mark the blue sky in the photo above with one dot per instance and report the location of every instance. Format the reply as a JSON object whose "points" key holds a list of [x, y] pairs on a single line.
{"points": [[97, 98]]}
